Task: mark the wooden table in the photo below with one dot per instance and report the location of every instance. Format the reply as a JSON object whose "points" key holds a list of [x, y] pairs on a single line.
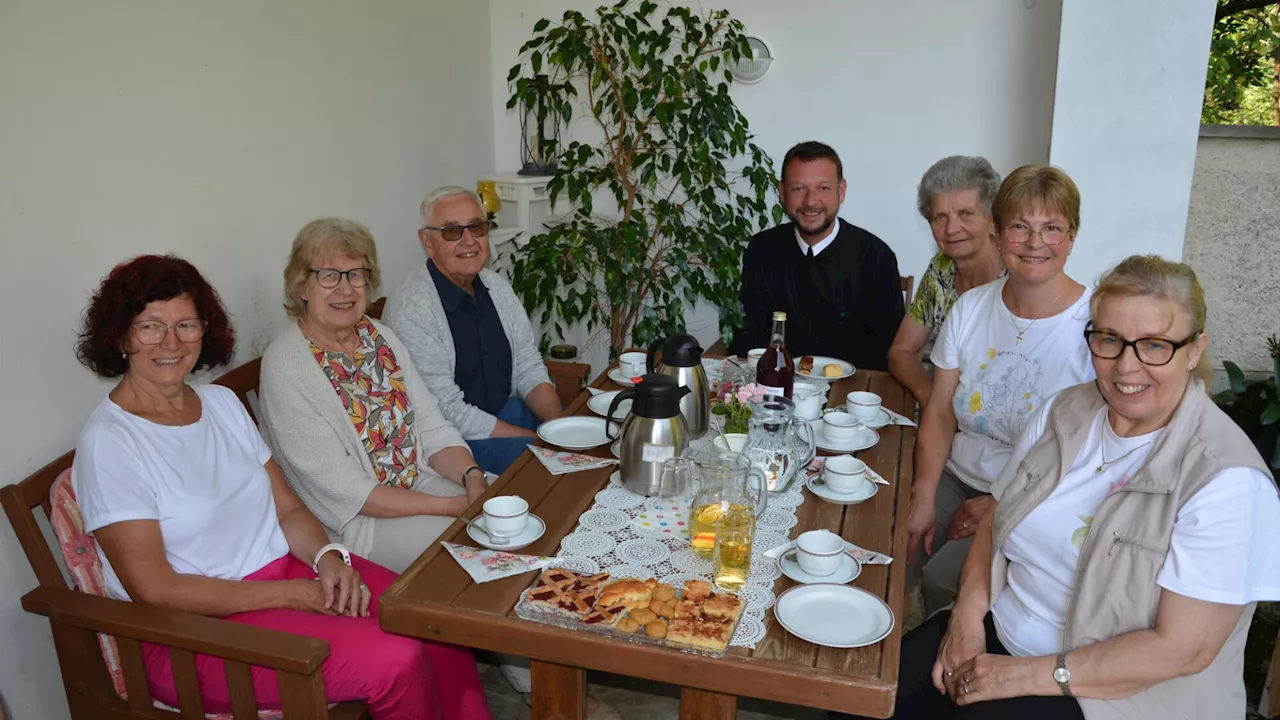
{"points": [[435, 599]]}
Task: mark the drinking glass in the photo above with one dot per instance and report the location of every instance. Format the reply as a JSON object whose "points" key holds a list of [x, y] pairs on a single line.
{"points": [[735, 531], [680, 480]]}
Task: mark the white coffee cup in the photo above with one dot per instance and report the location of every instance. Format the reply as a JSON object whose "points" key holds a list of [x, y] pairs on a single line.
{"points": [[505, 515], [845, 474], [737, 441], [840, 426], [819, 552], [865, 406], [754, 355], [632, 364]]}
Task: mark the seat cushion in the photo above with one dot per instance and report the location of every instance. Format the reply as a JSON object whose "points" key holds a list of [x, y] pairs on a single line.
{"points": [[85, 567]]}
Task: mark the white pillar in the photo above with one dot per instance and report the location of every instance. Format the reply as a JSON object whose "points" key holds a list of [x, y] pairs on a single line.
{"points": [[1126, 119]]}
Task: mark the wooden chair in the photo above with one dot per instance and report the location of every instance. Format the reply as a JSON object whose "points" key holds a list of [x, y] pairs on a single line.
{"points": [[76, 618], [908, 286], [568, 378]]}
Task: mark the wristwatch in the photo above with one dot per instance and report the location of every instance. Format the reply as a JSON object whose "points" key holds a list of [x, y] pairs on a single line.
{"points": [[334, 547], [467, 472], [1062, 675]]}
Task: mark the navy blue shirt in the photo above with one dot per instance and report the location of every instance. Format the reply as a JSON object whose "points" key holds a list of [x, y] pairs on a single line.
{"points": [[482, 366]]}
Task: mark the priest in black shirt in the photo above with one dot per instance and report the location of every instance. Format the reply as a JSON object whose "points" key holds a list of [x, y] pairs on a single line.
{"points": [[837, 283]]}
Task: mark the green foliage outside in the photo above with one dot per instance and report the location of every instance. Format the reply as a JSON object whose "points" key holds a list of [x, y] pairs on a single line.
{"points": [[1242, 85]]}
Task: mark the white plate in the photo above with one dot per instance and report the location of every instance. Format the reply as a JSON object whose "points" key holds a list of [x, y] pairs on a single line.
{"points": [[575, 433], [833, 615], [824, 491], [616, 449], [532, 531], [599, 404], [615, 374], [848, 571], [821, 361], [864, 438]]}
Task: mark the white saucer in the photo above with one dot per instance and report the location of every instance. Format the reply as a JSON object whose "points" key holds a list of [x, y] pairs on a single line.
{"points": [[864, 438], [883, 419], [576, 432], [599, 404], [820, 488], [615, 374], [616, 449], [833, 615], [848, 571], [821, 361], [532, 531]]}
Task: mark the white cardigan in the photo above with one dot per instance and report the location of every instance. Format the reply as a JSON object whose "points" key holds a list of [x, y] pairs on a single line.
{"points": [[415, 312], [315, 444]]}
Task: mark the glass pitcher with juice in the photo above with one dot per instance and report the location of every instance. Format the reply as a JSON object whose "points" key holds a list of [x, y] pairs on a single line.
{"points": [[733, 494]]}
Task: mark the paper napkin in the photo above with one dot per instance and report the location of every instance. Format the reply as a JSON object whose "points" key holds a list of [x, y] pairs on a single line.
{"points": [[899, 419], [484, 565], [559, 462], [866, 557]]}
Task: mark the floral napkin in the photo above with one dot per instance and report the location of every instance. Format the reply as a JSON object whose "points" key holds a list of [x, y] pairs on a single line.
{"points": [[899, 419], [485, 565], [559, 462], [866, 557], [814, 469]]}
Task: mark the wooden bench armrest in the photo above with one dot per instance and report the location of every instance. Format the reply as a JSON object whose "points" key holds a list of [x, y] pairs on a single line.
{"points": [[186, 631], [568, 378]]}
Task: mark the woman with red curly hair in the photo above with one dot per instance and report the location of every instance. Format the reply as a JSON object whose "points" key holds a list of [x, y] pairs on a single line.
{"points": [[193, 514]]}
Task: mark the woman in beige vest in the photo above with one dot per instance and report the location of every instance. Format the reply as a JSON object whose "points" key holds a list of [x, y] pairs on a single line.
{"points": [[1133, 532]]}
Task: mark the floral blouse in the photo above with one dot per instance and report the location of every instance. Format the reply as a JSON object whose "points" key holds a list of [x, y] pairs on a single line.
{"points": [[935, 296], [370, 384]]}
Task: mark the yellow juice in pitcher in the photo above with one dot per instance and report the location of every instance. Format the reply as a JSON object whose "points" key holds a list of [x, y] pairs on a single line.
{"points": [[732, 558], [703, 520]]}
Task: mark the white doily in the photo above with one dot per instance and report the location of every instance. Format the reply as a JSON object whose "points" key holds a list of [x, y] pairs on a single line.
{"points": [[587, 543], [777, 519], [686, 560], [642, 552], [579, 564], [603, 520], [619, 498], [679, 579], [750, 631], [790, 499], [764, 571], [766, 541], [631, 571], [755, 598]]}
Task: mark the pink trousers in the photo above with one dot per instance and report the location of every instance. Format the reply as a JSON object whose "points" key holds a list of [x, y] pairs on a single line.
{"points": [[399, 678]]}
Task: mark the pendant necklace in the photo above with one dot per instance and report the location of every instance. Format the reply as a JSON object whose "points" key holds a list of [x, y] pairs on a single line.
{"points": [[1023, 330], [1102, 450]]}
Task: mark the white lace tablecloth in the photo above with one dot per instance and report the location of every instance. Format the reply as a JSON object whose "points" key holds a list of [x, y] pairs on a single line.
{"points": [[630, 535]]}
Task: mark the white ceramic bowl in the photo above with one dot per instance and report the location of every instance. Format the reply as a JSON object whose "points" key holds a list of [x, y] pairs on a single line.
{"points": [[505, 515], [844, 473], [840, 426], [865, 406], [737, 441], [819, 552]]}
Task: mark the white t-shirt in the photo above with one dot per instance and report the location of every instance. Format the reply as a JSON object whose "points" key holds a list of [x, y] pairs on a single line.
{"points": [[1222, 549], [205, 483], [1003, 380]]}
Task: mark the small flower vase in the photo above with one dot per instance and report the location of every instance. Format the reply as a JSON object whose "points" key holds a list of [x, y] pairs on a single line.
{"points": [[735, 426]]}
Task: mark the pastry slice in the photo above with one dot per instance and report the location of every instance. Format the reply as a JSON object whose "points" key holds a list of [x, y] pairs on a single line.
{"points": [[605, 616], [832, 370], [708, 634], [695, 591], [627, 593], [805, 365], [722, 605]]}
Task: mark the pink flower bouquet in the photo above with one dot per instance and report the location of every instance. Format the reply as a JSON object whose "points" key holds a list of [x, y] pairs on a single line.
{"points": [[732, 400]]}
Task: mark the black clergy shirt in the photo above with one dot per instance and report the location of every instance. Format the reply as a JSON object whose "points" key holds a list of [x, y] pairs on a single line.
{"points": [[482, 366], [845, 302]]}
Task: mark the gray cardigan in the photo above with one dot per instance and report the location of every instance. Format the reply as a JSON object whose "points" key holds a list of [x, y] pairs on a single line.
{"points": [[315, 444], [414, 312]]}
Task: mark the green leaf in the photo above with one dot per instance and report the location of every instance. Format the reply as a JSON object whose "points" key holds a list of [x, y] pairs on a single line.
{"points": [[1271, 414], [541, 25], [1234, 375]]}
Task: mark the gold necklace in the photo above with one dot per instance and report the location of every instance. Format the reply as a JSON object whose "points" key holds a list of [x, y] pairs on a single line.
{"points": [[1023, 330], [1102, 450]]}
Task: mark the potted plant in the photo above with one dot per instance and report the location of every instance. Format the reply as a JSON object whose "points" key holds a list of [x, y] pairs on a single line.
{"points": [[1255, 405], [675, 159]]}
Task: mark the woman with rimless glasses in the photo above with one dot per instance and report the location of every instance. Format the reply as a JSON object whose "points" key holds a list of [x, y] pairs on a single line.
{"points": [[1003, 349], [1134, 530]]}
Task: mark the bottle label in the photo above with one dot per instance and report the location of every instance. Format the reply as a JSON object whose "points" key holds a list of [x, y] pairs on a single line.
{"points": [[773, 390], [656, 453]]}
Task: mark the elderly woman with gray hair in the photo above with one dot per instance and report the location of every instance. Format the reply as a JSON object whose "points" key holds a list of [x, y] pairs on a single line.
{"points": [[469, 335], [954, 197], [360, 437]]}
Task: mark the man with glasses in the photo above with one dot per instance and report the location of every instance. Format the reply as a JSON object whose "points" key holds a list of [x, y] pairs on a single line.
{"points": [[469, 335]]}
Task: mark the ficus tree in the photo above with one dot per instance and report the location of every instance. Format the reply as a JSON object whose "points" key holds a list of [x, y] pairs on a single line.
{"points": [[674, 160]]}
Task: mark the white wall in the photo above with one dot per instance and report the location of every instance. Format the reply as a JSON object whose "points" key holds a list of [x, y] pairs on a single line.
{"points": [[1125, 122], [214, 130], [892, 86]]}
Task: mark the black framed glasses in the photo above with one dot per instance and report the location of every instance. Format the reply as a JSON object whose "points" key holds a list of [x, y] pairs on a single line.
{"points": [[1154, 351], [453, 233], [330, 277], [153, 332]]}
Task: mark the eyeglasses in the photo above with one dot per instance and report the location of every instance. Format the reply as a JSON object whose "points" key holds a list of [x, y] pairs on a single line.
{"points": [[330, 277], [453, 233], [1150, 351], [153, 332], [1052, 234]]}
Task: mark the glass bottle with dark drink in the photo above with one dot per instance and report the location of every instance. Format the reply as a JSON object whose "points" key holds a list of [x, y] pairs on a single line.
{"points": [[776, 370]]}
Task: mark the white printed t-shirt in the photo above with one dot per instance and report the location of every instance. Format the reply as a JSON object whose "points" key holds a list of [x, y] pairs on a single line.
{"points": [[1004, 380], [1222, 549], [205, 483]]}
